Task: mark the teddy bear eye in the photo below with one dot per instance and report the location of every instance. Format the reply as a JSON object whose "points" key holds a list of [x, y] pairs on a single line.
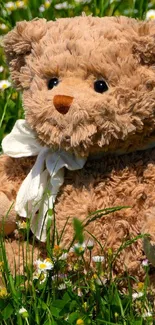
{"points": [[100, 86], [53, 82]]}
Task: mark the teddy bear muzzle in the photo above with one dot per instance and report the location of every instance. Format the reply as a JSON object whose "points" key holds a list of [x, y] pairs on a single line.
{"points": [[62, 103]]}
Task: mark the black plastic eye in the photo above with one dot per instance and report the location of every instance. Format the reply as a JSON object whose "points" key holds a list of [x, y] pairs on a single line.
{"points": [[53, 82], [100, 86]]}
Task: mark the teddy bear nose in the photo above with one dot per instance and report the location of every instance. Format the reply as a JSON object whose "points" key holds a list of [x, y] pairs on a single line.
{"points": [[62, 103]]}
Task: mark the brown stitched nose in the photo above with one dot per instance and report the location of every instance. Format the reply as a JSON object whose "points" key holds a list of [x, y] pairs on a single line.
{"points": [[62, 103]]}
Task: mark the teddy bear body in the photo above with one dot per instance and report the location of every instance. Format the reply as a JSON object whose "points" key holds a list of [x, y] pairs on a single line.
{"points": [[88, 88], [110, 181]]}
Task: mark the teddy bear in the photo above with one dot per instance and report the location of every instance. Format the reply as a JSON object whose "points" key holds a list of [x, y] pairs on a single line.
{"points": [[88, 137]]}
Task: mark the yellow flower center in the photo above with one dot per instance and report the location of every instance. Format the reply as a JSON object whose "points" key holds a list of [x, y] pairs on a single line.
{"points": [[4, 86], [47, 4], [42, 266], [19, 4]]}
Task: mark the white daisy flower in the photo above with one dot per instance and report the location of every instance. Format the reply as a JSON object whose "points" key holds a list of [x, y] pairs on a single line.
{"points": [[43, 266], [23, 312], [4, 84], [10, 6], [63, 5], [42, 8], [20, 4], [3, 26], [1, 68], [47, 4], [62, 286], [83, 1], [150, 15], [137, 295], [79, 248], [98, 259], [63, 257]]}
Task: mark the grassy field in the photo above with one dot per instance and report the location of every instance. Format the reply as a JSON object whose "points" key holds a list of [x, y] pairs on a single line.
{"points": [[64, 288]]}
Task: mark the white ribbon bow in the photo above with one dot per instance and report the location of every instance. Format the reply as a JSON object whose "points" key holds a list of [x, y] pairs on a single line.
{"points": [[46, 176]]}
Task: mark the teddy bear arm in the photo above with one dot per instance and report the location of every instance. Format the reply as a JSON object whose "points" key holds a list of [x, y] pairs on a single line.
{"points": [[12, 173]]}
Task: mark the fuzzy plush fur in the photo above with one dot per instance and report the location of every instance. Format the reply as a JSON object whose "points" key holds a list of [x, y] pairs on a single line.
{"points": [[114, 130]]}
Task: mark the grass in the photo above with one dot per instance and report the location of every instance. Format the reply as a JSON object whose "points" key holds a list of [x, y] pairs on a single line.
{"points": [[74, 290], [71, 286]]}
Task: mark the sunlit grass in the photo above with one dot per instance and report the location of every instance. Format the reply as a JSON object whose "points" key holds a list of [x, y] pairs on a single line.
{"points": [[71, 286]]}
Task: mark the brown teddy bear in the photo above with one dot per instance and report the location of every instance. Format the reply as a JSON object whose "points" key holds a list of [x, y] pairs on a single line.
{"points": [[87, 141]]}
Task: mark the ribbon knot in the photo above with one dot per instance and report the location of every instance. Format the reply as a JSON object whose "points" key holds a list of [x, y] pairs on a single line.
{"points": [[41, 186]]}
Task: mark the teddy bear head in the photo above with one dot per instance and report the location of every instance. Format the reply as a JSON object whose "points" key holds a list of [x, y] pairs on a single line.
{"points": [[87, 82]]}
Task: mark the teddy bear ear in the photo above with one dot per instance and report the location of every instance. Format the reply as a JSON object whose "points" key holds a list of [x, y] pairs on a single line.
{"points": [[144, 46], [19, 43]]}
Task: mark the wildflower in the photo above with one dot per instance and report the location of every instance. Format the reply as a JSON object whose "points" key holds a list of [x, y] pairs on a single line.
{"points": [[20, 4], [21, 224], [1, 68], [63, 5], [83, 1], [137, 295], [23, 312], [140, 286], [147, 314], [57, 251], [63, 257], [10, 6], [41, 276], [42, 8], [62, 286], [79, 248], [79, 321], [3, 292], [47, 4], [90, 244], [98, 259], [43, 266], [3, 26], [150, 15], [145, 262], [4, 84]]}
